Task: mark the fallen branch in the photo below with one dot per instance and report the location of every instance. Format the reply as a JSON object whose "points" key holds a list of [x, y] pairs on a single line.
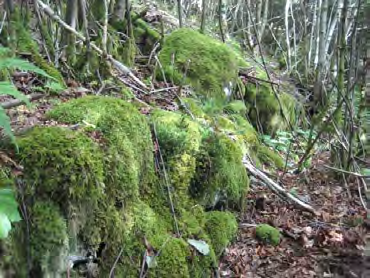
{"points": [[347, 172], [118, 65], [277, 188], [16, 102]]}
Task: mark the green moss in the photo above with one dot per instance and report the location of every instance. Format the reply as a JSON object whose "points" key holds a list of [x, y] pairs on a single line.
{"points": [[222, 228], [268, 234], [209, 65], [172, 258], [25, 43], [60, 163], [220, 175], [179, 139], [48, 237], [264, 109], [268, 156], [129, 154]]}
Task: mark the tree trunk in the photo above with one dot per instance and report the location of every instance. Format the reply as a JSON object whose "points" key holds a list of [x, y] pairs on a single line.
{"points": [[319, 97]]}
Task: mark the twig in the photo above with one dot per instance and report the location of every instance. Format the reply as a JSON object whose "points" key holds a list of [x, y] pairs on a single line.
{"points": [[16, 102], [118, 65], [347, 172], [167, 182], [111, 273], [277, 188]]}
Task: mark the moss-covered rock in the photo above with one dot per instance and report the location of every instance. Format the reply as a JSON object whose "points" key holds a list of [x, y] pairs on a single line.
{"points": [[48, 237], [222, 228], [58, 162], [220, 175], [126, 135], [264, 109], [207, 64], [268, 234], [270, 157], [179, 139]]}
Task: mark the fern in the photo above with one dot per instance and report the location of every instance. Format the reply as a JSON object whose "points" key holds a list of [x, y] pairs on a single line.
{"points": [[7, 87]]}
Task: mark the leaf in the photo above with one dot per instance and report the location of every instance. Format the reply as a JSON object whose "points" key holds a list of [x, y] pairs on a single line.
{"points": [[8, 204], [7, 88], [5, 225], [200, 245], [5, 124], [16, 63]]}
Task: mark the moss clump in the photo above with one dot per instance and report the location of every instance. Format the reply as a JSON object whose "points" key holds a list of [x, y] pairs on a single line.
{"points": [[264, 109], [48, 233], [179, 139], [58, 162], [268, 234], [270, 157], [220, 175], [207, 64], [172, 258], [126, 134], [222, 228]]}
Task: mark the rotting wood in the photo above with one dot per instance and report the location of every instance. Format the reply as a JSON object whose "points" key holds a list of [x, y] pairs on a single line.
{"points": [[280, 191]]}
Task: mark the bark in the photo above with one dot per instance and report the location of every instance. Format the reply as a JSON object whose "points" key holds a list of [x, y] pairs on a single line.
{"points": [[203, 19]]}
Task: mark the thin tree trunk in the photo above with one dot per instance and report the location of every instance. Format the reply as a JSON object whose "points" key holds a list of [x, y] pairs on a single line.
{"points": [[264, 19], [319, 97], [287, 38], [179, 11], [203, 19]]}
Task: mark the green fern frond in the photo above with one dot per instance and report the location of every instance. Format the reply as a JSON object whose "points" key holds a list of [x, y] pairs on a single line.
{"points": [[7, 88], [23, 65], [5, 124]]}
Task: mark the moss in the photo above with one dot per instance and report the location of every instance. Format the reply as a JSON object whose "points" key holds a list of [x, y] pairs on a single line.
{"points": [[57, 162], [222, 228], [268, 156], [172, 258], [220, 176], [268, 234], [25, 43], [129, 154], [209, 65], [48, 237], [179, 139]]}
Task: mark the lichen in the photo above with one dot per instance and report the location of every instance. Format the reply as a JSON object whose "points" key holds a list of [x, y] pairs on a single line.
{"points": [[268, 234], [205, 63], [221, 227]]}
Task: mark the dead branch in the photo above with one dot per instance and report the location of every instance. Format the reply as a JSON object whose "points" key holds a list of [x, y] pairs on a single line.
{"points": [[16, 102], [117, 65], [277, 188]]}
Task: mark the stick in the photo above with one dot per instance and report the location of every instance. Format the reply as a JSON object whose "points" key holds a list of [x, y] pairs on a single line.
{"points": [[111, 273], [347, 172], [118, 65], [277, 188], [16, 102]]}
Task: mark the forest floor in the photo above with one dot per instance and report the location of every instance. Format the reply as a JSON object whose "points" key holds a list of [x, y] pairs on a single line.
{"points": [[329, 245]]}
